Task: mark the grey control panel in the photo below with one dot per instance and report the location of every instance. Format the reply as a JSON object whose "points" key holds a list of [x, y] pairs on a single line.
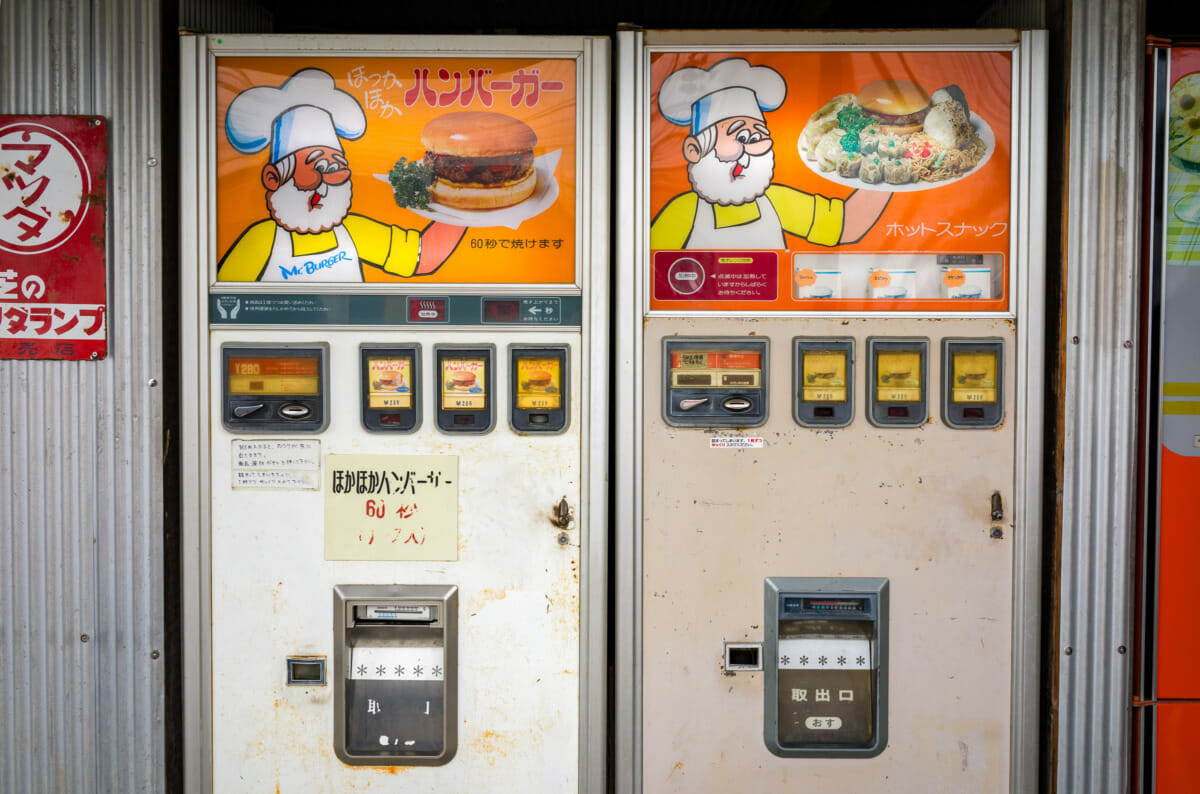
{"points": [[396, 674], [711, 382], [826, 660], [275, 388]]}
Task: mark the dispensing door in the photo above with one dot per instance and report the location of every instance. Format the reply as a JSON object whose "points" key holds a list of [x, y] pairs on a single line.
{"points": [[828, 535], [396, 365]]}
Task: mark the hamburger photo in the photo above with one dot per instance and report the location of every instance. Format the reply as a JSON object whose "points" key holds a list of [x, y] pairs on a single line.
{"points": [[480, 160], [462, 380], [897, 106], [539, 380]]}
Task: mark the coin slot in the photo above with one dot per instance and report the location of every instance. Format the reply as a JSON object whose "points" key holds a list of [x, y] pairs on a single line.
{"points": [[743, 656], [305, 671]]}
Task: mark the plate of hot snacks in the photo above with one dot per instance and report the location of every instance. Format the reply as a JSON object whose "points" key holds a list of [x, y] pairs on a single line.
{"points": [[479, 169], [895, 136]]}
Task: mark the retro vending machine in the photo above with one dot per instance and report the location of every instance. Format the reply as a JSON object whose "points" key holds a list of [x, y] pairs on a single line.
{"points": [[395, 335], [828, 446], [1166, 691]]}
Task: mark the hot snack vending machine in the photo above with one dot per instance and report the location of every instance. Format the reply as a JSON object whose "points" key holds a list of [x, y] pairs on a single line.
{"points": [[828, 430], [395, 334], [1166, 691]]}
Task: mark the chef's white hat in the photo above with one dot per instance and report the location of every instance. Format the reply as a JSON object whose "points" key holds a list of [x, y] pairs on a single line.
{"points": [[307, 110], [699, 97]]}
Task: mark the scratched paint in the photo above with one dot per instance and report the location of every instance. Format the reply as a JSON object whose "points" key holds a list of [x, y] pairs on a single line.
{"points": [[912, 505], [518, 611]]}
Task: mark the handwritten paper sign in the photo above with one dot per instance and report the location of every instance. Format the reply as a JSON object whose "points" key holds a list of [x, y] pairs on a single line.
{"points": [[391, 507]]}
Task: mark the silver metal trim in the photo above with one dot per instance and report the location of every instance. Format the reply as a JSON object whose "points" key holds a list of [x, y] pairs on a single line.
{"points": [[1029, 170], [594, 239], [630, 233], [195, 561]]}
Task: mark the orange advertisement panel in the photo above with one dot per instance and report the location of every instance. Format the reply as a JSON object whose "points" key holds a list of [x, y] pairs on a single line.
{"points": [[830, 181], [419, 170]]}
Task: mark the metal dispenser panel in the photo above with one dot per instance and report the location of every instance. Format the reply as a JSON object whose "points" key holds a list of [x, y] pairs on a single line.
{"points": [[972, 382], [275, 388], [825, 694], [715, 382], [823, 392], [396, 668]]}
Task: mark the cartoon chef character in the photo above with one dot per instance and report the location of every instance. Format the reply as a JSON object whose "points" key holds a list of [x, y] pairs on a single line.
{"points": [[733, 203], [311, 234]]}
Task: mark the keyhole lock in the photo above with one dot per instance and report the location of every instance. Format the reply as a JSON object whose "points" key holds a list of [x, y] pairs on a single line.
{"points": [[997, 507], [562, 514]]}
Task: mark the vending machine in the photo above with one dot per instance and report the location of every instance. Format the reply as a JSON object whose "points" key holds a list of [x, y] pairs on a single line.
{"points": [[828, 413], [1166, 691], [394, 371]]}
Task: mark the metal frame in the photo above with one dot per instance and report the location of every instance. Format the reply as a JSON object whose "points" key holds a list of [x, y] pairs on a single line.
{"points": [[198, 271], [1027, 288], [1102, 244]]}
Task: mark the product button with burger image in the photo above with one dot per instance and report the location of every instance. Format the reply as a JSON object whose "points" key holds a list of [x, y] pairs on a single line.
{"points": [[479, 168], [538, 378], [465, 388]]}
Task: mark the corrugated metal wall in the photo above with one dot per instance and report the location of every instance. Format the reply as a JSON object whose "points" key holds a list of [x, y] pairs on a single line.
{"points": [[81, 443], [1100, 402]]}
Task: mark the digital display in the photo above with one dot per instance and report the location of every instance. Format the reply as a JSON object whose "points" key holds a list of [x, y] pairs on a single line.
{"points": [[824, 373], [391, 380], [274, 375], [825, 604], [464, 384], [539, 383], [729, 369], [898, 376], [974, 376]]}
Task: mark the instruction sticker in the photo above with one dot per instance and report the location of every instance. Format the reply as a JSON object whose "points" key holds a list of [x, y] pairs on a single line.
{"points": [[391, 507], [277, 464], [735, 442]]}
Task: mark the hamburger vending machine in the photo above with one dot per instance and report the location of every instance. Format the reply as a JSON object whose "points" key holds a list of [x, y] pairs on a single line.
{"points": [[395, 335], [1166, 692], [828, 447]]}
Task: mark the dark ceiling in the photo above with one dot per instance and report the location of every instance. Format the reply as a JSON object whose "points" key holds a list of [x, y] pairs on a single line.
{"points": [[601, 17]]}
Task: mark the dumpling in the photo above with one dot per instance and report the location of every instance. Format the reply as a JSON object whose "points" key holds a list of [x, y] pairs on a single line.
{"points": [[829, 149], [849, 164], [871, 170], [897, 172]]}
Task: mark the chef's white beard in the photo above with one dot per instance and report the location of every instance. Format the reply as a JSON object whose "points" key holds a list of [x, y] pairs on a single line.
{"points": [[289, 207], [710, 178]]}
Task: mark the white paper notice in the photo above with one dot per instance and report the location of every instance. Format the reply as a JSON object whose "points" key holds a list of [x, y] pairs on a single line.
{"points": [[735, 442], [289, 464]]}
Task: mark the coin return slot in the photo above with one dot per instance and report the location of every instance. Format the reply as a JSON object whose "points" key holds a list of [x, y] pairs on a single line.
{"points": [[305, 671], [743, 656]]}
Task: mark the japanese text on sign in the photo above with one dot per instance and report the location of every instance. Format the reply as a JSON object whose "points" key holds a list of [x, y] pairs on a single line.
{"points": [[391, 507]]}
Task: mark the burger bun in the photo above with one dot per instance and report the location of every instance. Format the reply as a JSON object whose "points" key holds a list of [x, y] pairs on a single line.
{"points": [[473, 133], [478, 196]]}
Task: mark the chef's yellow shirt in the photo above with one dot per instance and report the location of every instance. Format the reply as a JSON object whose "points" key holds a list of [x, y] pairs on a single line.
{"points": [[815, 218]]}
